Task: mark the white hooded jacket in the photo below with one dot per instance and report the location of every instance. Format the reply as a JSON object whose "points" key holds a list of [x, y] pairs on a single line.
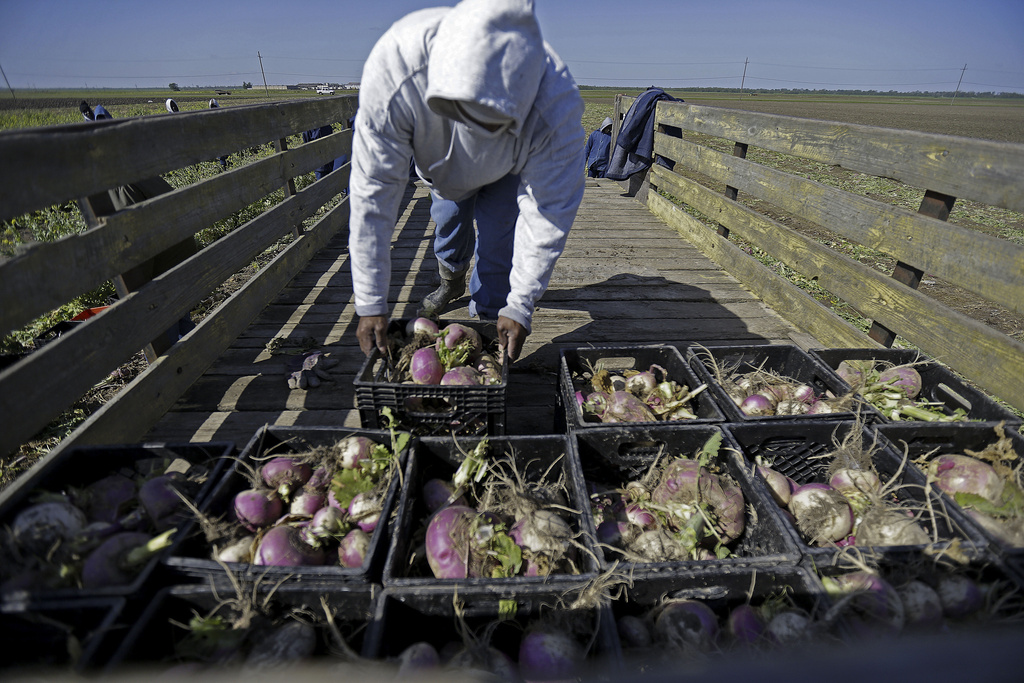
{"points": [[490, 54]]}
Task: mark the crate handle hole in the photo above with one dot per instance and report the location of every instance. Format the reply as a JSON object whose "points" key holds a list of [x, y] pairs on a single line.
{"points": [[945, 390]]}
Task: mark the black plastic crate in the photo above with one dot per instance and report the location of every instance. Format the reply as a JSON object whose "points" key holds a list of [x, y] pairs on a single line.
{"points": [[78, 467], [59, 637], [939, 384], [791, 589], [155, 643], [798, 449], [536, 458], [497, 615], [431, 409], [616, 455], [925, 441], [576, 365], [993, 604], [192, 559], [784, 360]]}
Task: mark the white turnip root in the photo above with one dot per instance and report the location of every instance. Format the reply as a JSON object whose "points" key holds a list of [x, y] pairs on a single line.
{"points": [[117, 560], [39, 527], [684, 508], [921, 604], [418, 659], [788, 626], [822, 514], [634, 396], [870, 604], [293, 641], [685, 625], [544, 538], [353, 548], [885, 526], [760, 392], [779, 485], [549, 654]]}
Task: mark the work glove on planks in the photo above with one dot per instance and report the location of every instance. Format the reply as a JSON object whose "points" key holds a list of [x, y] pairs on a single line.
{"points": [[307, 371]]}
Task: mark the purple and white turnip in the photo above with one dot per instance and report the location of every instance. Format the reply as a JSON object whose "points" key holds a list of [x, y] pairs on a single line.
{"points": [[453, 354], [762, 392], [488, 520], [895, 391], [304, 508], [928, 596], [634, 396], [986, 484], [855, 507], [662, 633], [100, 533], [685, 508]]}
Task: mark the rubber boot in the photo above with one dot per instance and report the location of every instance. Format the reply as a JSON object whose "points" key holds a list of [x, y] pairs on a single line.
{"points": [[453, 286]]}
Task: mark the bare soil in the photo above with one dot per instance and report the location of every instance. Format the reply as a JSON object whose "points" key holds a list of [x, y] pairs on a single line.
{"points": [[987, 121]]}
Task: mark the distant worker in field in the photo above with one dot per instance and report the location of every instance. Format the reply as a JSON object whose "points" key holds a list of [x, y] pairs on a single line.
{"points": [[90, 114], [598, 147], [222, 161], [119, 198], [315, 134], [491, 116]]}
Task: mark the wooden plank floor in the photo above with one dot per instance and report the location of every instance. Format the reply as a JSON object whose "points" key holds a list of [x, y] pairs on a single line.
{"points": [[625, 277]]}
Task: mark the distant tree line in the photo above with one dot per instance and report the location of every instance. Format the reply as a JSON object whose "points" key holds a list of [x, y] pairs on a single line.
{"points": [[806, 91]]}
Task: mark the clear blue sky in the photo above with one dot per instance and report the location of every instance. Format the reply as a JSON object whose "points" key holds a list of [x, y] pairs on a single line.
{"points": [[903, 45]]}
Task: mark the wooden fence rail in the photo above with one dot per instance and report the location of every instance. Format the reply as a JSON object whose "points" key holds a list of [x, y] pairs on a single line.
{"points": [[55, 165], [81, 162], [944, 168]]}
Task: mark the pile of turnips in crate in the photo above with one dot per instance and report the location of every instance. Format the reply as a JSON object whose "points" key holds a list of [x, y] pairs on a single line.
{"points": [[632, 540], [318, 507], [437, 378], [97, 521], [452, 355]]}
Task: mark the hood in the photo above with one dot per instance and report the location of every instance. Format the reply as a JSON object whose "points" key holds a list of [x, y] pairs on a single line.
{"points": [[607, 123], [488, 53]]}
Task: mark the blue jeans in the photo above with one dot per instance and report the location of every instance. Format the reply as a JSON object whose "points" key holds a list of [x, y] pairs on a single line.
{"points": [[495, 209]]}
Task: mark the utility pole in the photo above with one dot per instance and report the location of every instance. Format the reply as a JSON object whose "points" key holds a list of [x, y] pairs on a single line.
{"points": [[958, 84], [744, 79], [8, 83], [265, 88]]}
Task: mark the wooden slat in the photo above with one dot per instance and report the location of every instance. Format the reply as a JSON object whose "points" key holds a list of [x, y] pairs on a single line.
{"points": [[144, 402], [143, 230], [587, 303], [993, 360], [776, 291], [36, 389], [47, 166], [982, 170], [990, 267]]}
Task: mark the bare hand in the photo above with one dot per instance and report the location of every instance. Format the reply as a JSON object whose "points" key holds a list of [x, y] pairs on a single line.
{"points": [[511, 336], [372, 333]]}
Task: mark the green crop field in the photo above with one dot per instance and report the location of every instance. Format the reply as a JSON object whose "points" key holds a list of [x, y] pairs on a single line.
{"points": [[32, 108]]}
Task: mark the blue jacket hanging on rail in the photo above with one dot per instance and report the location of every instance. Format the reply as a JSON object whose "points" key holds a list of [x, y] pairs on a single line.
{"points": [[634, 147]]}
